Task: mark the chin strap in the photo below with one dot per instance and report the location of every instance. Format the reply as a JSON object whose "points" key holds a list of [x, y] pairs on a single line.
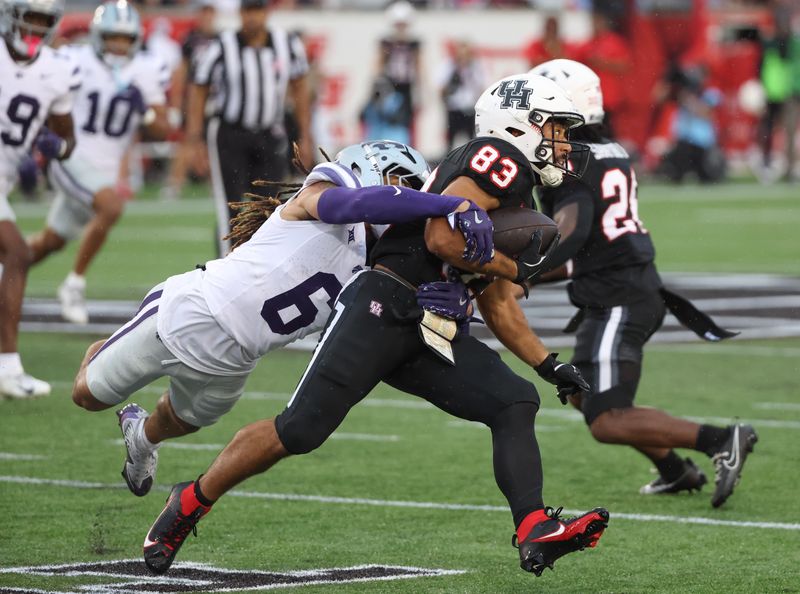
{"points": [[551, 175]]}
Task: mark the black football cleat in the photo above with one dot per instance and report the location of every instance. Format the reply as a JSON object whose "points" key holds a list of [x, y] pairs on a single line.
{"points": [[177, 519], [729, 460], [692, 479], [551, 539]]}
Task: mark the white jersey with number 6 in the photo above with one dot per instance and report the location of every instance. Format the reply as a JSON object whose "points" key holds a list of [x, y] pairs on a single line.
{"points": [[29, 92], [276, 288]]}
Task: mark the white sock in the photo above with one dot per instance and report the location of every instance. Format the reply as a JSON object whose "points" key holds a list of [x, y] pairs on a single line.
{"points": [[75, 280], [140, 438], [10, 364]]}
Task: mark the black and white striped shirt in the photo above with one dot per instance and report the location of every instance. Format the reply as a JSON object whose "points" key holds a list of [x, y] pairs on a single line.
{"points": [[249, 83]]}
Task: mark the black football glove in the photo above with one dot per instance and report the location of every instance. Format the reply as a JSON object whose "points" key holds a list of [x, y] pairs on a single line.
{"points": [[530, 263], [563, 376]]}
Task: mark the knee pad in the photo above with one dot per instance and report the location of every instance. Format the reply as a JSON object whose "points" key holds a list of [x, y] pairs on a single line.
{"points": [[520, 415], [300, 434]]}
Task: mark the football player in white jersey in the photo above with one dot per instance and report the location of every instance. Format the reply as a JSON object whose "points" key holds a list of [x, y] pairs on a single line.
{"points": [[123, 88], [37, 86], [206, 329]]}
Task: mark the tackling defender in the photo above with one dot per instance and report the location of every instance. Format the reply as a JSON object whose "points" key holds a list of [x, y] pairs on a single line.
{"points": [[374, 334], [38, 86], [206, 329], [609, 256], [123, 87]]}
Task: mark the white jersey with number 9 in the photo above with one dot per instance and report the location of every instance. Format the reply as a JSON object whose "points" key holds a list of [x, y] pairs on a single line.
{"points": [[29, 92]]}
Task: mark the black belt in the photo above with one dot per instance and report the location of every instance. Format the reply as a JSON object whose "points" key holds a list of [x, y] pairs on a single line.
{"points": [[684, 310], [280, 133]]}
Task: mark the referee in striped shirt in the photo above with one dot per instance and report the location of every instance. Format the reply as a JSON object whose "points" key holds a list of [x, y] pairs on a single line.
{"points": [[247, 75]]}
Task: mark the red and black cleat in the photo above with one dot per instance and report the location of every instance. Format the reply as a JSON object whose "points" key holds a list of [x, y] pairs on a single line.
{"points": [[177, 519], [547, 537]]}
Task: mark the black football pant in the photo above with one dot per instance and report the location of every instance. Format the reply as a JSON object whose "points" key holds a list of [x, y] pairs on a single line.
{"points": [[372, 336], [609, 350], [237, 157]]}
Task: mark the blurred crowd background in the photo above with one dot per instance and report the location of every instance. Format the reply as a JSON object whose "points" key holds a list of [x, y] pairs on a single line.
{"points": [[695, 89]]}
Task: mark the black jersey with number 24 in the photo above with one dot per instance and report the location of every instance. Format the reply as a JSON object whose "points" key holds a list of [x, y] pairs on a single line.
{"points": [[615, 264], [495, 165]]}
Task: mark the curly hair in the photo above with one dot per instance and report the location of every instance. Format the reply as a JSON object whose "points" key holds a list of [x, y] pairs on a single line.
{"points": [[255, 209]]}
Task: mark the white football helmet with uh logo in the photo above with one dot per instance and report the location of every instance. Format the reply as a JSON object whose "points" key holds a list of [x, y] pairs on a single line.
{"points": [[517, 108]]}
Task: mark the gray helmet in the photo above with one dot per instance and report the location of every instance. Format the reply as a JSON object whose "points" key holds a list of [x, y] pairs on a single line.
{"points": [[374, 161], [115, 17], [27, 39]]}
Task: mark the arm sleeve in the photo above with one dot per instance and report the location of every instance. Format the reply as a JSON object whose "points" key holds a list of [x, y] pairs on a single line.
{"points": [[573, 240], [382, 205]]}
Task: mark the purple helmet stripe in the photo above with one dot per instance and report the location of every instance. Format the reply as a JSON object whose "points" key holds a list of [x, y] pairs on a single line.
{"points": [[332, 174], [349, 172]]}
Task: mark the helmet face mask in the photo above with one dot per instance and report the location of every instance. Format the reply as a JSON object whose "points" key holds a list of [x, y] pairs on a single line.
{"points": [[113, 19], [29, 25], [518, 109], [385, 163]]}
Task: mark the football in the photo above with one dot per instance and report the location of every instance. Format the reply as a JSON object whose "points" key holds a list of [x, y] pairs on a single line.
{"points": [[514, 226]]}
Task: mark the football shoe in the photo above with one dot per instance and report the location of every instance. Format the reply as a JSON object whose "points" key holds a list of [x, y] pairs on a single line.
{"points": [[172, 526], [729, 460], [22, 386], [552, 538], [691, 480], [73, 302], [139, 470]]}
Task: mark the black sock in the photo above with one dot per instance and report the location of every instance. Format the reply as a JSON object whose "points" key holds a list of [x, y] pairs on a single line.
{"points": [[199, 494], [517, 462], [710, 439], [670, 467]]}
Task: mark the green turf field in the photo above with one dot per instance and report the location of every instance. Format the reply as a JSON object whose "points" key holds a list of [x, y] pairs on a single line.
{"points": [[427, 457], [730, 228], [394, 448]]}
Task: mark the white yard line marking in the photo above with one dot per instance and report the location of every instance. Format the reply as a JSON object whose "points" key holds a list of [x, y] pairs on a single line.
{"points": [[215, 447], [777, 405], [573, 415], [365, 437], [413, 504], [758, 423], [540, 428], [566, 413], [727, 348], [26, 457]]}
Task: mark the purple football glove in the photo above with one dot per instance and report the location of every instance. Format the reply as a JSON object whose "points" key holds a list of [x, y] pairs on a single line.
{"points": [[477, 228], [50, 144], [134, 96], [450, 300], [28, 172]]}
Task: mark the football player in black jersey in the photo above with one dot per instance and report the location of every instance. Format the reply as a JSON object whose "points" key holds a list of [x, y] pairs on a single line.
{"points": [[396, 323], [608, 254]]}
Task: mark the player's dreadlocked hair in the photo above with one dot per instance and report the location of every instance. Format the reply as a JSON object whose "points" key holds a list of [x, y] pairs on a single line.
{"points": [[255, 209]]}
